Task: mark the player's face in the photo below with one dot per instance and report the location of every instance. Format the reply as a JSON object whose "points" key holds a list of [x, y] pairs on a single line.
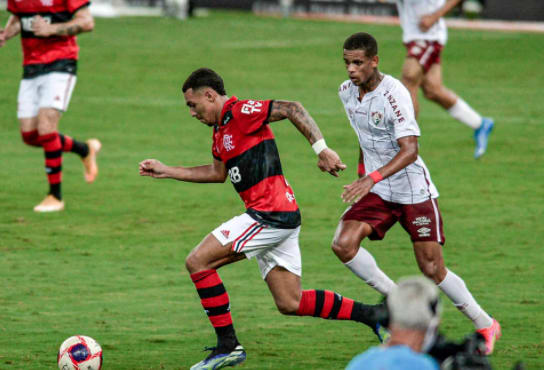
{"points": [[201, 105], [360, 67]]}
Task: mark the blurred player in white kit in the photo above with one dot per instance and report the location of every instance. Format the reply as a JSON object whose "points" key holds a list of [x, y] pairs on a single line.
{"points": [[424, 35]]}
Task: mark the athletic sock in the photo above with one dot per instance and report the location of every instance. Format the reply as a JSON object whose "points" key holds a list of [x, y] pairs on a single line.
{"points": [[53, 162], [364, 266], [330, 305], [215, 300], [455, 288], [72, 145], [462, 112], [31, 138]]}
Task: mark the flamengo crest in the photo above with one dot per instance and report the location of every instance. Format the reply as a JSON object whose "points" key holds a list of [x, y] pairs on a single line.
{"points": [[227, 143], [47, 2]]}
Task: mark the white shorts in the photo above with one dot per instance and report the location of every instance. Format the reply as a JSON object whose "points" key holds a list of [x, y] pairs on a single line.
{"points": [[271, 247], [51, 90]]}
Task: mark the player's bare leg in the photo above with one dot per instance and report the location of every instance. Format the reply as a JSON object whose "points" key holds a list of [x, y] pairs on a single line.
{"points": [[292, 300], [347, 247], [412, 78], [202, 263], [431, 263], [434, 90]]}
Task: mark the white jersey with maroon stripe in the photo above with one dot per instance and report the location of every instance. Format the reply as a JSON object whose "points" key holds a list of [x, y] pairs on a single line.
{"points": [[410, 13], [379, 120]]}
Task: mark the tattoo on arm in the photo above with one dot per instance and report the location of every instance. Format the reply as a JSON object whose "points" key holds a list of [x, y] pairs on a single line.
{"points": [[299, 116], [69, 30]]}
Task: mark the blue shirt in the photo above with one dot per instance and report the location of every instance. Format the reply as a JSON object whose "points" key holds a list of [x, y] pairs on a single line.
{"points": [[392, 358]]}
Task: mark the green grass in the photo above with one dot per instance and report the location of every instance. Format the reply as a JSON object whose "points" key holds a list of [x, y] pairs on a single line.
{"points": [[112, 264]]}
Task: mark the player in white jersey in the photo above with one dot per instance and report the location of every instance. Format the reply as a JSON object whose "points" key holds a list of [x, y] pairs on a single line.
{"points": [[424, 35], [394, 184]]}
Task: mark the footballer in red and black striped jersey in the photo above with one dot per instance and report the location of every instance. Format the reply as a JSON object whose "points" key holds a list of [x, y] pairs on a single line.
{"points": [[58, 53], [245, 143], [50, 54], [245, 150]]}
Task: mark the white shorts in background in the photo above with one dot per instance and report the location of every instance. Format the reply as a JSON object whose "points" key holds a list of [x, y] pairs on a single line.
{"points": [[271, 247], [51, 90]]}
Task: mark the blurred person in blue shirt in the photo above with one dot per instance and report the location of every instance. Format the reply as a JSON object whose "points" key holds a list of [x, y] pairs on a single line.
{"points": [[414, 310]]}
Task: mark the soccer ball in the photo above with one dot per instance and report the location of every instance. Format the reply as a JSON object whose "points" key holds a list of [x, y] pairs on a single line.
{"points": [[80, 353]]}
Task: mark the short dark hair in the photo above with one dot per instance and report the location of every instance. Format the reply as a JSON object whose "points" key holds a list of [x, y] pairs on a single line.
{"points": [[362, 41], [204, 77]]}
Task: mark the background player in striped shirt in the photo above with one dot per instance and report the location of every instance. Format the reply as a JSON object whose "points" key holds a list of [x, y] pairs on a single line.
{"points": [[424, 34], [50, 53], [397, 186], [244, 149]]}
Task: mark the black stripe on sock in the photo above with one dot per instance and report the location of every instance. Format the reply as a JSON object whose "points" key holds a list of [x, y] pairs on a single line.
{"points": [[319, 301], [336, 306], [53, 170], [210, 292], [219, 310], [80, 148], [53, 154]]}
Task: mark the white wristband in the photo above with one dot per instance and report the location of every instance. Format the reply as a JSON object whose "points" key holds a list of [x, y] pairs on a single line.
{"points": [[319, 146]]}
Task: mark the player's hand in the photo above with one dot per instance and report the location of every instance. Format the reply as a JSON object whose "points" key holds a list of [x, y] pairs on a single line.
{"points": [[41, 27], [357, 189], [426, 22], [153, 168], [330, 162]]}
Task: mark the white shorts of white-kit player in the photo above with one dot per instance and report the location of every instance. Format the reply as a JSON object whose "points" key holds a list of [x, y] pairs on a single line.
{"points": [[270, 246], [51, 90]]}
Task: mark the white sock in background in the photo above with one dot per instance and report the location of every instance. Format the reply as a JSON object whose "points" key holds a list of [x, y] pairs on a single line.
{"points": [[455, 288], [461, 111], [364, 266]]}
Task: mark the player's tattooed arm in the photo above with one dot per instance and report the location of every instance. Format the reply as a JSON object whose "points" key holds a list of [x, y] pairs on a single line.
{"points": [[81, 22], [329, 161], [298, 115]]}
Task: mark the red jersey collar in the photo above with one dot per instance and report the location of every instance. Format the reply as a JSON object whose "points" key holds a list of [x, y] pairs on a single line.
{"points": [[226, 107]]}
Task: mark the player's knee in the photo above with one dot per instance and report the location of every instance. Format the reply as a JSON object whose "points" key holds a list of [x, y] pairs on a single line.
{"points": [[431, 92], [287, 307], [345, 247], [192, 263], [433, 271]]}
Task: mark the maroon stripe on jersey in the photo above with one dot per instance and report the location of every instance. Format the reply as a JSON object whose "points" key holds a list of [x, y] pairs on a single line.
{"points": [[270, 195]]}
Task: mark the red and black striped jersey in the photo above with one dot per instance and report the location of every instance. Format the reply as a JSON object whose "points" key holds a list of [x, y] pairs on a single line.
{"points": [[47, 54], [245, 143]]}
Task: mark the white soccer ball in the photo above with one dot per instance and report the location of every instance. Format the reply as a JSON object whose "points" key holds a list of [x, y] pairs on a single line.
{"points": [[80, 353]]}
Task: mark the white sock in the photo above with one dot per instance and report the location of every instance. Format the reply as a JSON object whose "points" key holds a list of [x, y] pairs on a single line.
{"points": [[461, 111], [455, 288], [364, 266]]}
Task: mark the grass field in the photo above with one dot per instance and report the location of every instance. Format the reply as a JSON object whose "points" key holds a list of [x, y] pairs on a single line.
{"points": [[111, 265]]}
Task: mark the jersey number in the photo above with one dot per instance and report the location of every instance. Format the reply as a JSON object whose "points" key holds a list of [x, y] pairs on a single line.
{"points": [[235, 176]]}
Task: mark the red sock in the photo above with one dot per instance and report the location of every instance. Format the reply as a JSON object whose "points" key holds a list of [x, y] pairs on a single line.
{"points": [[30, 137], [53, 161], [325, 304], [67, 142], [215, 300]]}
